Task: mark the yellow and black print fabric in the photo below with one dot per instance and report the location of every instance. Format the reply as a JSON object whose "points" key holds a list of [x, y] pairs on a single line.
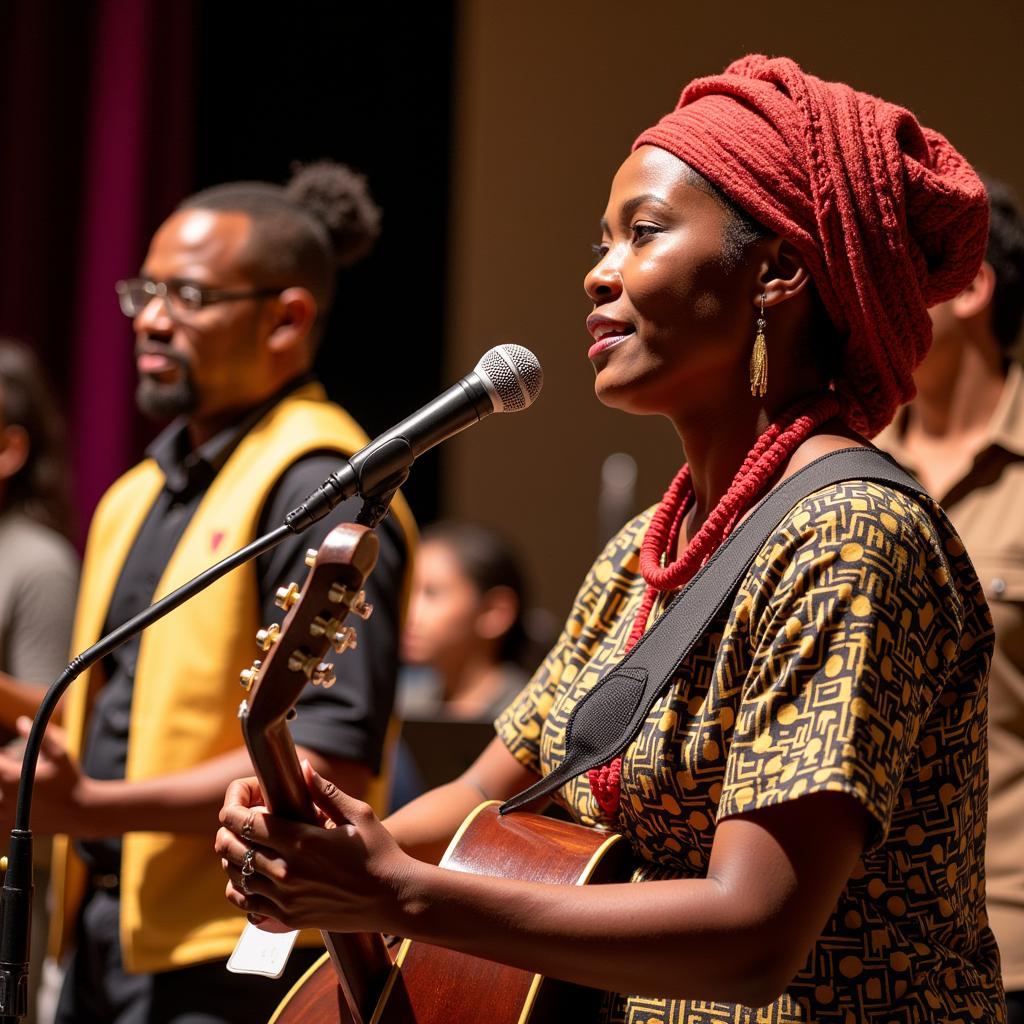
{"points": [[853, 660]]}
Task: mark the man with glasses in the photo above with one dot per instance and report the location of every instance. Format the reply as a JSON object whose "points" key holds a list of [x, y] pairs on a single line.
{"points": [[227, 312]]}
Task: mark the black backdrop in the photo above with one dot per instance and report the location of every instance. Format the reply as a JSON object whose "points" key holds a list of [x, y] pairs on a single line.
{"points": [[368, 84]]}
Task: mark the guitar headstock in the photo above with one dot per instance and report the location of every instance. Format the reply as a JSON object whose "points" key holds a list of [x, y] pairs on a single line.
{"points": [[315, 623]]}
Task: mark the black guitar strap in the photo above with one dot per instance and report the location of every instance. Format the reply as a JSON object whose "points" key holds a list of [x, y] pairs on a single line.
{"points": [[607, 719]]}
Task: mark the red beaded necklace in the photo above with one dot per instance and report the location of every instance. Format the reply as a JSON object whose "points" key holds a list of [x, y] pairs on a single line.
{"points": [[773, 447]]}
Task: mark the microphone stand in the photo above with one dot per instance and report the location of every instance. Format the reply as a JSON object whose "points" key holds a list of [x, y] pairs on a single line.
{"points": [[376, 480]]}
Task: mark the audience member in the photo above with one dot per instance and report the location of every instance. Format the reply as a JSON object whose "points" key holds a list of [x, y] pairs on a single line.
{"points": [[40, 567], [465, 625], [39, 578]]}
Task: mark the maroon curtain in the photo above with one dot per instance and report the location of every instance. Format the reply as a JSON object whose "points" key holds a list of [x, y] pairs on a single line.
{"points": [[98, 125]]}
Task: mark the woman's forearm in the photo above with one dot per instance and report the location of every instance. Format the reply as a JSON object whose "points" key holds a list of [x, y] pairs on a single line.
{"points": [[737, 935], [621, 937], [424, 827]]}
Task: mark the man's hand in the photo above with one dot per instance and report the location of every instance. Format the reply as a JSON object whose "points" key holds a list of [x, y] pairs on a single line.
{"points": [[59, 788]]}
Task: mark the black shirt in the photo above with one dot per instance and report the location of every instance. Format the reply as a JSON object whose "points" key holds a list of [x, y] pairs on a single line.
{"points": [[347, 720]]}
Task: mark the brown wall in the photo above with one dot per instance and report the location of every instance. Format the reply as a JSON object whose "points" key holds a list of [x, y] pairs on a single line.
{"points": [[549, 96]]}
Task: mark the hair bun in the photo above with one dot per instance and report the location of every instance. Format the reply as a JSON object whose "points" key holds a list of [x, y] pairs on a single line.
{"points": [[340, 199]]}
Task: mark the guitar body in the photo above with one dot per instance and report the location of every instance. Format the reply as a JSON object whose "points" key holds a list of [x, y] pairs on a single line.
{"points": [[432, 985], [316, 998]]}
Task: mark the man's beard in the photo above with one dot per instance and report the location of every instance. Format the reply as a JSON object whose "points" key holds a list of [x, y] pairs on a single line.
{"points": [[161, 400]]}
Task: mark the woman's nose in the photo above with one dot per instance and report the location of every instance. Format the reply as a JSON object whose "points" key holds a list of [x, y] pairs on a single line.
{"points": [[603, 281]]}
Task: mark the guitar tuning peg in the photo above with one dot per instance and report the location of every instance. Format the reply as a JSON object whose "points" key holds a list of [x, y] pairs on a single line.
{"points": [[323, 627], [323, 675], [248, 675], [311, 554], [361, 607], [243, 709], [287, 596], [344, 640], [355, 601], [267, 637], [302, 661]]}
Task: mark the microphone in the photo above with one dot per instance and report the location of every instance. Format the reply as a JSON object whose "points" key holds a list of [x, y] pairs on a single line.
{"points": [[508, 378]]}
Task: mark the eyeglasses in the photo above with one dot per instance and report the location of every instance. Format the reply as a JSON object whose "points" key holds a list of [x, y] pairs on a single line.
{"points": [[179, 299]]}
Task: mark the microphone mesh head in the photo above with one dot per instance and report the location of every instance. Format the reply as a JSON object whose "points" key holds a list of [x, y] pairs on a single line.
{"points": [[512, 375]]}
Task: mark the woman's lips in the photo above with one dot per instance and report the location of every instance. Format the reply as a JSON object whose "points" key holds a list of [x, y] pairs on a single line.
{"points": [[609, 339], [607, 333]]}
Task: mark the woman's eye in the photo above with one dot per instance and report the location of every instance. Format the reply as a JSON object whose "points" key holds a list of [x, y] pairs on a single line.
{"points": [[641, 231], [600, 250]]}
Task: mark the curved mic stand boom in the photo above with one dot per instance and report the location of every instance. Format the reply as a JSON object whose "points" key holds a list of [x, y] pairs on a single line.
{"points": [[376, 480]]}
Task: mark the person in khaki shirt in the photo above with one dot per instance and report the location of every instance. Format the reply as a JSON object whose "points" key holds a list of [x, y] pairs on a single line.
{"points": [[963, 437]]}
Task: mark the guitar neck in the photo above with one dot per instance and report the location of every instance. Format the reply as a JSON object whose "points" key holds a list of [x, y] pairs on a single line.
{"points": [[315, 622], [361, 959]]}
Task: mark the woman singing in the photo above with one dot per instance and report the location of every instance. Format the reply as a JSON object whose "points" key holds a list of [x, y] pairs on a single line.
{"points": [[806, 802]]}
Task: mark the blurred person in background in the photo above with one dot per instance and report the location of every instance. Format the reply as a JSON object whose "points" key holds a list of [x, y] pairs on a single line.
{"points": [[38, 565], [465, 652], [38, 573], [464, 636], [963, 437], [228, 310]]}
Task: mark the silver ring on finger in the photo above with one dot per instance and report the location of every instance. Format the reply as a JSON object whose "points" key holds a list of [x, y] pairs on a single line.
{"points": [[248, 869]]}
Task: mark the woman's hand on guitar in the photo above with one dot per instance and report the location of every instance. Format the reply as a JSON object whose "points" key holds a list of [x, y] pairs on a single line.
{"points": [[344, 874]]}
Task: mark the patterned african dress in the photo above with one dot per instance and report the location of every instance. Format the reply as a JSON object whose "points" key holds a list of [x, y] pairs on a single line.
{"points": [[853, 660]]}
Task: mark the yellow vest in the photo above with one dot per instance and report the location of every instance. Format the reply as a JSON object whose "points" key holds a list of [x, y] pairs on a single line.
{"points": [[186, 694]]}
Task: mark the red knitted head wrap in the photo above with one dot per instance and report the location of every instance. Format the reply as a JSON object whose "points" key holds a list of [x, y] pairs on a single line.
{"points": [[889, 217]]}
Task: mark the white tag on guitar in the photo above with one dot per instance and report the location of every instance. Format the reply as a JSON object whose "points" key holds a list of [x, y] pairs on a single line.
{"points": [[260, 952]]}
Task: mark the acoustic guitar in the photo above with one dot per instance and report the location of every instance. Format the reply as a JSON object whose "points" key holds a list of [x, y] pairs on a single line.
{"points": [[357, 981]]}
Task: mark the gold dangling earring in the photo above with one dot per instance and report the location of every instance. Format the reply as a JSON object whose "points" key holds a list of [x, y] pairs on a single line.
{"points": [[759, 359]]}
